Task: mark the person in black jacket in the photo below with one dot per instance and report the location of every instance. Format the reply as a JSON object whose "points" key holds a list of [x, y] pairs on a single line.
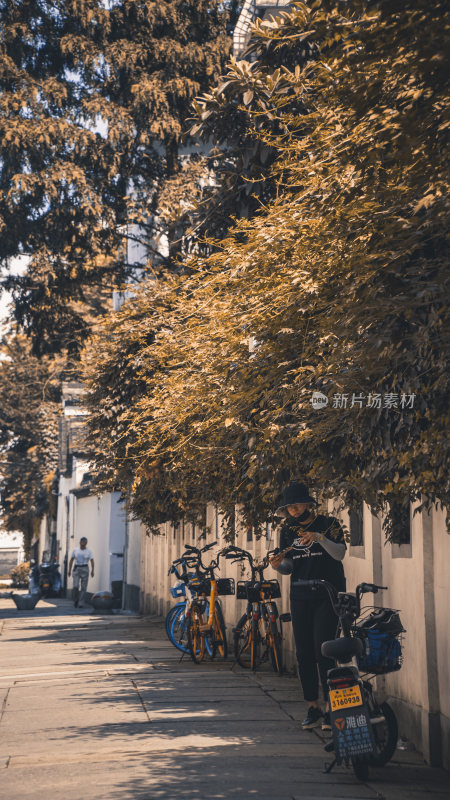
{"points": [[316, 549]]}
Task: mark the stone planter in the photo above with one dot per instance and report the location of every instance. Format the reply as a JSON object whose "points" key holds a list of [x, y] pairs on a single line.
{"points": [[102, 602]]}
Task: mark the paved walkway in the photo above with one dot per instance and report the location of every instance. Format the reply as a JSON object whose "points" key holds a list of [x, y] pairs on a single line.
{"points": [[102, 708]]}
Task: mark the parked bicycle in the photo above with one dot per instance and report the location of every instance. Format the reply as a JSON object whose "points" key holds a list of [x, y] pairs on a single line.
{"points": [[176, 627], [206, 625], [190, 579], [364, 731], [258, 634]]}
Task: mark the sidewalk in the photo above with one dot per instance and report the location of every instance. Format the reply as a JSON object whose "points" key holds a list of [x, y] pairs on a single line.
{"points": [[101, 708]]}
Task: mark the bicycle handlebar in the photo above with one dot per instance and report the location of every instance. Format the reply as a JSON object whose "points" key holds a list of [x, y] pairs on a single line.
{"points": [[333, 594], [185, 559], [362, 588], [190, 548], [190, 558], [237, 553]]}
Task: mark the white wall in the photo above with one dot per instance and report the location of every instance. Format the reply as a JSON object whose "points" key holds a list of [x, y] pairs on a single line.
{"points": [[101, 519], [11, 550], [418, 579], [133, 566], [117, 525], [158, 552], [92, 519], [441, 585], [65, 520]]}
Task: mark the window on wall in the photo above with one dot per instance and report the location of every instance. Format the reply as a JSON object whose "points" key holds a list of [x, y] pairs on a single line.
{"points": [[193, 531], [249, 534], [356, 524], [401, 523]]}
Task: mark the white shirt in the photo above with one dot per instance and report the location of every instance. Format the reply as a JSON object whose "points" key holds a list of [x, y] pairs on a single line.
{"points": [[82, 557]]}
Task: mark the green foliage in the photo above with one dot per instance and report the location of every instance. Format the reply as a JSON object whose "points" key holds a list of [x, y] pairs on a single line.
{"points": [[338, 286]]}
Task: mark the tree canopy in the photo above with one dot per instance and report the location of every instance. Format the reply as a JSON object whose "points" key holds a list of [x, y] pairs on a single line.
{"points": [[93, 105], [30, 402], [236, 115], [337, 287]]}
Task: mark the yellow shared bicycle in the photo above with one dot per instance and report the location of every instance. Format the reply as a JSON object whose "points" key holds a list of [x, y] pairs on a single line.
{"points": [[206, 625]]}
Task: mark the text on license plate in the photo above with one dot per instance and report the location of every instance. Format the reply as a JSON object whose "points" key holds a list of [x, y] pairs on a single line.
{"points": [[344, 698]]}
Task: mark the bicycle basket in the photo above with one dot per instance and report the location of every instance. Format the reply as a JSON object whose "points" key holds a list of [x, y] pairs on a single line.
{"points": [[271, 589], [179, 590], [199, 586], [241, 589], [225, 586], [253, 593], [382, 651]]}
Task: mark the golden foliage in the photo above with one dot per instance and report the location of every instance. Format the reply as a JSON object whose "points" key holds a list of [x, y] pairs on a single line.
{"points": [[337, 287]]}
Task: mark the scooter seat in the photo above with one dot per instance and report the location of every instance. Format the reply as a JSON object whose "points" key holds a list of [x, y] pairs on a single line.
{"points": [[342, 649]]}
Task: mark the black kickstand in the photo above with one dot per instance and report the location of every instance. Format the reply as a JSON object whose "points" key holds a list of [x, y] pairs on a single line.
{"points": [[329, 767]]}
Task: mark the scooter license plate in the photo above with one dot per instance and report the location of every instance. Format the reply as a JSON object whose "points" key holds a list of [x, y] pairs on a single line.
{"points": [[345, 698]]}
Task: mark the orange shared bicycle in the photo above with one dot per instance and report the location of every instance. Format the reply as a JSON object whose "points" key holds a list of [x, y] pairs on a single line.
{"points": [[206, 625]]}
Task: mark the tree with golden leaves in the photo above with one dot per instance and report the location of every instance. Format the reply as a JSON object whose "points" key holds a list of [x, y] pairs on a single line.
{"points": [[338, 288], [94, 98], [30, 405]]}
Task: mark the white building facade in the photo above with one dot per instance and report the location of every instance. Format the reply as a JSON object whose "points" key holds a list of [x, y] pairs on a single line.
{"points": [[102, 519], [11, 551]]}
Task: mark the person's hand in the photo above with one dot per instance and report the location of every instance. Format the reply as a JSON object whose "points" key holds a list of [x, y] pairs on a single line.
{"points": [[308, 537], [276, 560]]}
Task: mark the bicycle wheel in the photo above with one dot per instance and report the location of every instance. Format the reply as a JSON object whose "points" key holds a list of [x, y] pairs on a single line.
{"points": [[242, 641], [170, 618], [385, 734], [276, 655], [219, 638], [179, 631], [196, 639], [255, 644]]}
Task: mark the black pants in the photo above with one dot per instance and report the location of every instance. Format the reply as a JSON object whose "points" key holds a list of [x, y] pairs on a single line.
{"points": [[313, 622]]}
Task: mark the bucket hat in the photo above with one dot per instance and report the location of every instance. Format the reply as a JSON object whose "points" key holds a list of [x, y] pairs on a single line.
{"points": [[294, 493]]}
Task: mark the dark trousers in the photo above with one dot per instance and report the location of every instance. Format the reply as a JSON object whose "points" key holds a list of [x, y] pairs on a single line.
{"points": [[313, 622]]}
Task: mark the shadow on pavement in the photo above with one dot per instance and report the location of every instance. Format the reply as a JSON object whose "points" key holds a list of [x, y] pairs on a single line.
{"points": [[147, 727]]}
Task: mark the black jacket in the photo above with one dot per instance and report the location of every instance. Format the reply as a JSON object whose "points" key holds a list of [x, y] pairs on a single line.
{"points": [[313, 561]]}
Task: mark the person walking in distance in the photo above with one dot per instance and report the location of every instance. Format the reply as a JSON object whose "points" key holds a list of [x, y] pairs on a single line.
{"points": [[312, 546], [81, 556]]}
